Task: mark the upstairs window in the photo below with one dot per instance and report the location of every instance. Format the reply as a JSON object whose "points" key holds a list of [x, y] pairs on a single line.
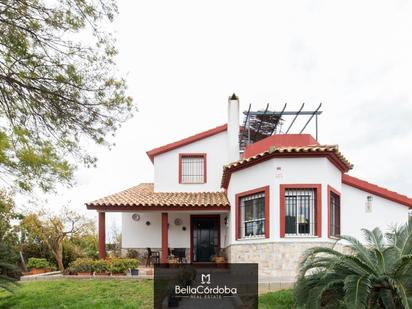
{"points": [[334, 214], [192, 168], [300, 210], [252, 214]]}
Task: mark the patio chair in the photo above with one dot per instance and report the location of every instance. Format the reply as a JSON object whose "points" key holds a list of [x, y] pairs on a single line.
{"points": [[180, 254], [152, 257]]}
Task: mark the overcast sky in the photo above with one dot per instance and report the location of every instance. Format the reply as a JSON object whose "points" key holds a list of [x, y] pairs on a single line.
{"points": [[182, 59]]}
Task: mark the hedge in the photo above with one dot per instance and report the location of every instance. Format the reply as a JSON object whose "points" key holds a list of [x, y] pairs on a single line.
{"points": [[37, 263], [116, 265]]}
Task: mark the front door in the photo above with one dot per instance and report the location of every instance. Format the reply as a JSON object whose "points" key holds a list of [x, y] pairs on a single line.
{"points": [[205, 237]]}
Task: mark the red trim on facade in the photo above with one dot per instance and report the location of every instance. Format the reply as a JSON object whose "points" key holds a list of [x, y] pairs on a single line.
{"points": [[376, 190], [267, 209], [197, 155], [318, 188], [191, 231], [157, 208], [331, 189], [102, 235], [331, 156], [279, 140], [194, 138], [165, 237]]}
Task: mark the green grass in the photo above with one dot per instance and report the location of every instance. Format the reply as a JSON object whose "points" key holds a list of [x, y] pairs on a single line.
{"points": [[102, 294], [280, 299], [79, 294]]}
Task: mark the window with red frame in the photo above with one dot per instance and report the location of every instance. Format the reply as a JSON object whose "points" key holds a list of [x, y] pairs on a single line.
{"points": [[252, 215], [192, 168], [300, 210], [334, 213]]}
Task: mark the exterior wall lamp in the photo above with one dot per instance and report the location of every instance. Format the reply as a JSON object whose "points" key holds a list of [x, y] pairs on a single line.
{"points": [[369, 200]]}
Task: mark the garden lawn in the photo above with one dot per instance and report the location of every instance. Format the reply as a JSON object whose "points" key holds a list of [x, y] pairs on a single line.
{"points": [[275, 300], [79, 294], [102, 294]]}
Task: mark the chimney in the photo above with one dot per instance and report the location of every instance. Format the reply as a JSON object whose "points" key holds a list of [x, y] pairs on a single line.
{"points": [[233, 128]]}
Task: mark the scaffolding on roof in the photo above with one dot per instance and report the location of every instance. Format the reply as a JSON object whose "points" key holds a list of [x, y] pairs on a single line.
{"points": [[260, 124]]}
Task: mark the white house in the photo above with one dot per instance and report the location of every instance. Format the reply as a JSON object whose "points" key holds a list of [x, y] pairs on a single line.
{"points": [[282, 195]]}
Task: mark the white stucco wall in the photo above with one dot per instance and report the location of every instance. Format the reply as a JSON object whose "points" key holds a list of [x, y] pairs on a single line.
{"points": [[313, 171], [166, 165], [355, 217], [139, 235], [292, 171]]}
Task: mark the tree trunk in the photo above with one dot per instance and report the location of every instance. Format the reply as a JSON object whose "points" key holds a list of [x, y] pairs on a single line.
{"points": [[59, 255], [23, 263]]}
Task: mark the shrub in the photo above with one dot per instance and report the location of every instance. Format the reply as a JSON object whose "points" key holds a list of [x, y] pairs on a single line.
{"points": [[83, 265], [123, 265], [132, 254], [101, 266], [378, 275], [38, 263]]}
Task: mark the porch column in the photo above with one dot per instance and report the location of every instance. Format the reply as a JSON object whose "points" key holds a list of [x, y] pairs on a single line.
{"points": [[165, 236], [102, 235]]}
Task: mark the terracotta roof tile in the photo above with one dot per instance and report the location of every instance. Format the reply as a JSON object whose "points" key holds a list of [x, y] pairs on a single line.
{"points": [[331, 150], [143, 195]]}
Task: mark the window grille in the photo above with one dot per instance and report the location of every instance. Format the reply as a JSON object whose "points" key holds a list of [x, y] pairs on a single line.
{"points": [[193, 169], [252, 215], [334, 212], [300, 217]]}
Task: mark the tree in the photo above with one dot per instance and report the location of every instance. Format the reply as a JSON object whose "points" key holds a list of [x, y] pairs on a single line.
{"points": [[58, 83], [9, 253], [378, 275], [55, 229], [8, 235]]}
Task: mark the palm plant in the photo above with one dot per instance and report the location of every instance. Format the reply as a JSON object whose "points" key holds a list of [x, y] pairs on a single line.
{"points": [[375, 275], [8, 276]]}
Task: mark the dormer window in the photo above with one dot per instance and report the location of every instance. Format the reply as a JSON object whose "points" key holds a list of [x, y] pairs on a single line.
{"points": [[192, 168]]}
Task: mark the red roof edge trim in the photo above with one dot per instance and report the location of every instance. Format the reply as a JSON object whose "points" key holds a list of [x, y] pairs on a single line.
{"points": [[376, 190], [159, 150]]}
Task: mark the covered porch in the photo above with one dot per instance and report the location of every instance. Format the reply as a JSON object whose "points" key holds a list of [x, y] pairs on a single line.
{"points": [[190, 226]]}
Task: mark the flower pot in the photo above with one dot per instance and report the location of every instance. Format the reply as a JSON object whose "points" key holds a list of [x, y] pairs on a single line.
{"points": [[84, 273], [220, 259], [102, 274], [172, 261], [134, 272], [36, 271]]}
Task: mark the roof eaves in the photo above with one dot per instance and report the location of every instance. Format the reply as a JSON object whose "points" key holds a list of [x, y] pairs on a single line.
{"points": [[165, 148], [376, 190], [331, 151]]}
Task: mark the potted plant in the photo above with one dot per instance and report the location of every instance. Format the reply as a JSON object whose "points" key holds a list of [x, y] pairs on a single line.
{"points": [[171, 259], [101, 268], [219, 258], [133, 265], [82, 266], [38, 266]]}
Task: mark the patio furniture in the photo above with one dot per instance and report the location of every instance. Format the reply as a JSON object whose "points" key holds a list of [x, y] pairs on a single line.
{"points": [[180, 254], [155, 257], [152, 257]]}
